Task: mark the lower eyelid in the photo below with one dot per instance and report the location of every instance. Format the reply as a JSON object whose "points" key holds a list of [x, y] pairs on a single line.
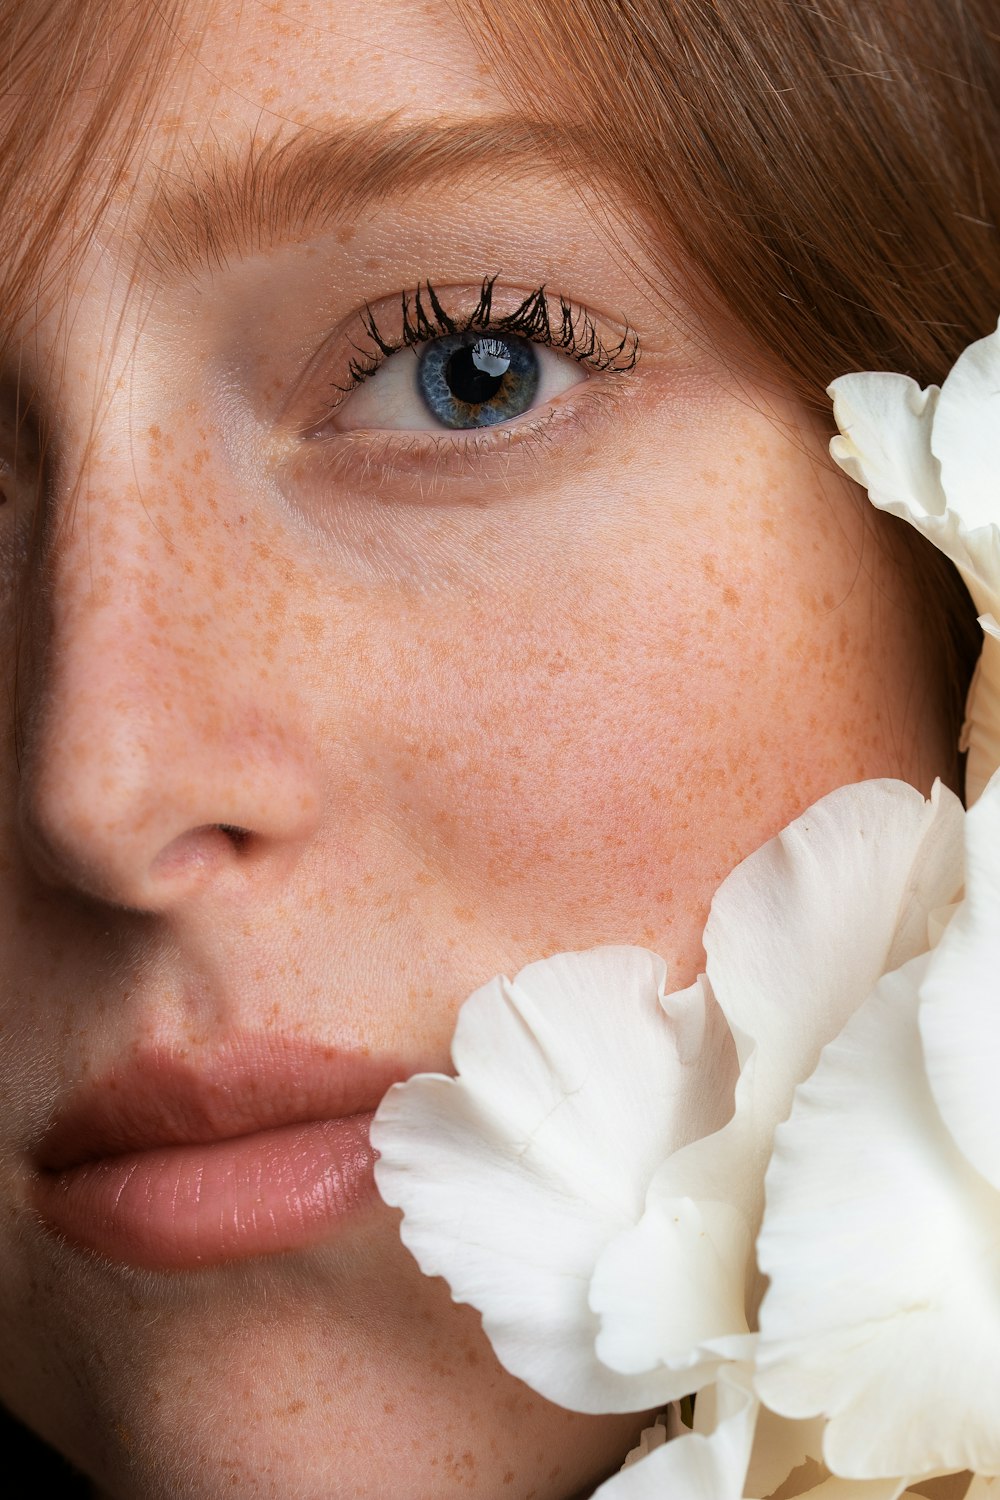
{"points": [[428, 467]]}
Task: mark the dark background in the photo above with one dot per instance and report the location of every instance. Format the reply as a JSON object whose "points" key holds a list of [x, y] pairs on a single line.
{"points": [[49, 1474]]}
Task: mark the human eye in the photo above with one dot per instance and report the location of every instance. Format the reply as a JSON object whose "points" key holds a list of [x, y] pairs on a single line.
{"points": [[450, 363]]}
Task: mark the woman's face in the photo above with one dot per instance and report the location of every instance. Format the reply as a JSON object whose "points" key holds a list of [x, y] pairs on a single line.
{"points": [[328, 712]]}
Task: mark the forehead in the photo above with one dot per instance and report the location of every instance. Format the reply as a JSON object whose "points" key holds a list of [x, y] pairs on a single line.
{"points": [[245, 82], [267, 64]]}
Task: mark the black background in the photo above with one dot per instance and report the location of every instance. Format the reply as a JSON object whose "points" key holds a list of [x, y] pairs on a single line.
{"points": [[45, 1472]]}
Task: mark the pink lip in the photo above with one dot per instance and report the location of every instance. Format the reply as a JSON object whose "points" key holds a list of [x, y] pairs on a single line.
{"points": [[173, 1164]]}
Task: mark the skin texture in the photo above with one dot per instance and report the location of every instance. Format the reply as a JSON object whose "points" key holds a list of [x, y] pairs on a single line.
{"points": [[470, 708]]}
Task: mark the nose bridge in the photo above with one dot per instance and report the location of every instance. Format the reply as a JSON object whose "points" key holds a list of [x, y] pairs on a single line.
{"points": [[152, 726]]}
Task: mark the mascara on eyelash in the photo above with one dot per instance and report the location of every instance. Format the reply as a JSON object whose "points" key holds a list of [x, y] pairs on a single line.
{"points": [[576, 332]]}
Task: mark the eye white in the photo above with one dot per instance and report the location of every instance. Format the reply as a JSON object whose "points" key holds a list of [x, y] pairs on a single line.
{"points": [[390, 399]]}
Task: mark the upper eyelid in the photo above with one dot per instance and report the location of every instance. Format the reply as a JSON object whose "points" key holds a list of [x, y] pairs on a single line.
{"points": [[358, 347], [575, 330]]}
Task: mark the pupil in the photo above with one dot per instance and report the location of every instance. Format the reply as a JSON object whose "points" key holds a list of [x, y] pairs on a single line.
{"points": [[477, 380], [475, 372]]}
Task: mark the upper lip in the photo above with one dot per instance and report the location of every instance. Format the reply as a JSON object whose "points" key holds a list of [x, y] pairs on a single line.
{"points": [[168, 1097]]}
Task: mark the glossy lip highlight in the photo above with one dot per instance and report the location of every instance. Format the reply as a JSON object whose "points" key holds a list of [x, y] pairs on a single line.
{"points": [[174, 1163]]}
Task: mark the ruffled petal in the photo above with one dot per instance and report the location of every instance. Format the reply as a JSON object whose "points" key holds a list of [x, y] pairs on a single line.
{"points": [[885, 426], [881, 1242], [575, 1081], [698, 1248], [873, 861], [933, 458], [966, 435], [981, 730], [707, 1464], [960, 1000], [737, 1451], [669, 1424], [800, 932], [798, 936], [780, 1447]]}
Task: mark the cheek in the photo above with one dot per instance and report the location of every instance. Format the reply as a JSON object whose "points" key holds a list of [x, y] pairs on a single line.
{"points": [[585, 762]]}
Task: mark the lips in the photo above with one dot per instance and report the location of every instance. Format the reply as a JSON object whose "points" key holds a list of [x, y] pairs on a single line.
{"points": [[174, 1163]]}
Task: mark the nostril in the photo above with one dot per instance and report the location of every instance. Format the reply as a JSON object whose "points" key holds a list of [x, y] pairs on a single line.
{"points": [[237, 836], [199, 849]]}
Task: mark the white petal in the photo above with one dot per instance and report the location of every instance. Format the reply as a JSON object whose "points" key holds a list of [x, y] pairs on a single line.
{"points": [[667, 1424], [671, 1290], [883, 1312], [797, 937], [981, 730], [707, 1464], [799, 932], [885, 444], [575, 1081], [780, 1447], [966, 434], [960, 999], [933, 458]]}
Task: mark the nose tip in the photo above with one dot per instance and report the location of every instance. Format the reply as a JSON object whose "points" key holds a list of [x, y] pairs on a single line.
{"points": [[150, 823]]}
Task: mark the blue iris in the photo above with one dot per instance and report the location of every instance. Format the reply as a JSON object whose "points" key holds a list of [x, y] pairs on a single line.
{"points": [[477, 379]]}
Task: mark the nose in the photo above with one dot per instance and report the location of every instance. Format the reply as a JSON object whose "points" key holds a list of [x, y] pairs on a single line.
{"points": [[164, 749]]}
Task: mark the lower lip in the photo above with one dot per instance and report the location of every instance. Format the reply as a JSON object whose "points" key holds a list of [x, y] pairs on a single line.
{"points": [[187, 1207]]}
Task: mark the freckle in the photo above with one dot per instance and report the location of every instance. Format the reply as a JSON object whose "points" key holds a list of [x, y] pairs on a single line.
{"points": [[730, 597]]}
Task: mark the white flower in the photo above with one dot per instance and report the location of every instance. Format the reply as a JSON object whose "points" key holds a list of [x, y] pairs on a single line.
{"points": [[576, 1080], [882, 1230], [739, 1450], [579, 1183], [797, 937], [736, 1450], [708, 1463], [933, 457]]}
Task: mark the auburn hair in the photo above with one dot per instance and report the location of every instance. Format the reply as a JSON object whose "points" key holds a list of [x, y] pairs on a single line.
{"points": [[828, 175]]}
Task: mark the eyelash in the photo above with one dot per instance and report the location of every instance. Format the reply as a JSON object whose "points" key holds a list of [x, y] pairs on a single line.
{"points": [[423, 318]]}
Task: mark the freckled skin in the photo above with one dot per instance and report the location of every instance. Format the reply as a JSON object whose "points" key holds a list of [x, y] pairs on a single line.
{"points": [[465, 722]]}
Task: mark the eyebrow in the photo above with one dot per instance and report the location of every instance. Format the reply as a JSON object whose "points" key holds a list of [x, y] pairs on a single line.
{"points": [[219, 204]]}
